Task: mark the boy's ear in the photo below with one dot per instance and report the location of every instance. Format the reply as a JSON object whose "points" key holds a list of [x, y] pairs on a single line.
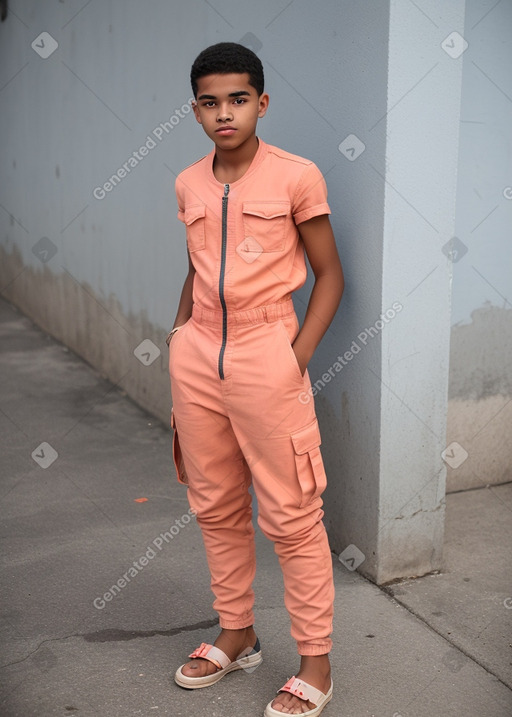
{"points": [[196, 111], [263, 104]]}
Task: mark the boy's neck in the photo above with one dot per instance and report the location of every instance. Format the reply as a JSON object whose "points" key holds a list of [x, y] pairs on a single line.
{"points": [[229, 165]]}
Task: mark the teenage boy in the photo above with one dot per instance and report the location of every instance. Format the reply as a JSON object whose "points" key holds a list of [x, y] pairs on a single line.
{"points": [[238, 364]]}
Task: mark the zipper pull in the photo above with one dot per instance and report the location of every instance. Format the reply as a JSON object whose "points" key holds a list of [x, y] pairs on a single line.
{"points": [[226, 190]]}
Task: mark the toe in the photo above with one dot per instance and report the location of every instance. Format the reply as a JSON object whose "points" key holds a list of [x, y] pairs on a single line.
{"points": [[290, 705], [279, 705], [198, 668]]}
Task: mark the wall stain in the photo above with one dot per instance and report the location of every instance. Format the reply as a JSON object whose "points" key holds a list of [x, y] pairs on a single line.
{"points": [[480, 399], [480, 352], [94, 327]]}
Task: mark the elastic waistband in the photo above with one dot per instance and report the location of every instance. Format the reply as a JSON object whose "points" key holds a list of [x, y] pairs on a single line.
{"points": [[258, 315]]}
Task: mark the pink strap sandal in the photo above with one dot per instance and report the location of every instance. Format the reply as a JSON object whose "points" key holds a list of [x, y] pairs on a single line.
{"points": [[248, 660], [305, 692]]}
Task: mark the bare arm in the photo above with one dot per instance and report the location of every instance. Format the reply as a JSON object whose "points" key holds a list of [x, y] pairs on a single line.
{"points": [[326, 295], [185, 306]]}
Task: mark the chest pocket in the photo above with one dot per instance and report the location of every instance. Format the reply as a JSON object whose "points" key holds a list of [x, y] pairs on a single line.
{"points": [[265, 225], [195, 220]]}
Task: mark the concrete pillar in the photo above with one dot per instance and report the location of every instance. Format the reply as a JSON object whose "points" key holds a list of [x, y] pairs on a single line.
{"points": [[385, 509]]}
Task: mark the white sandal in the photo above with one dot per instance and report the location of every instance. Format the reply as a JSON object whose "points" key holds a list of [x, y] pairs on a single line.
{"points": [[249, 659], [305, 692]]}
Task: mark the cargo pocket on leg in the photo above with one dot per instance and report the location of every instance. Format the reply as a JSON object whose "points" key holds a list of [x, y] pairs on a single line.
{"points": [[308, 459], [177, 455]]}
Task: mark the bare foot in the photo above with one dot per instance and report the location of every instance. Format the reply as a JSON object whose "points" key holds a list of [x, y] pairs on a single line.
{"points": [[232, 642], [316, 671]]}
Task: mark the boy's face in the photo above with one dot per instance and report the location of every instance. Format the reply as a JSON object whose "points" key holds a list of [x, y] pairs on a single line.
{"points": [[228, 107]]}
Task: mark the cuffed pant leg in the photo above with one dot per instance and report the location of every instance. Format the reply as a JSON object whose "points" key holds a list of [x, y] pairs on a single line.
{"points": [[309, 597], [295, 526], [302, 548]]}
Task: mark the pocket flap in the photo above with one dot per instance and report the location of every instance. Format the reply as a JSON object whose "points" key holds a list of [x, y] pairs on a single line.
{"points": [[194, 212], [267, 210], [305, 439]]}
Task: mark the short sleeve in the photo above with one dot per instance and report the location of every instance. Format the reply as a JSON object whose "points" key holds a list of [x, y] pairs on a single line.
{"points": [[310, 198], [180, 200]]}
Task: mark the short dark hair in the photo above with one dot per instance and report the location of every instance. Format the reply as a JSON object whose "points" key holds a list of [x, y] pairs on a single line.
{"points": [[224, 58]]}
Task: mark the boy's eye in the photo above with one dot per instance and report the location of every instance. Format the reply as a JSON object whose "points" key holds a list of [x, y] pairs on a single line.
{"points": [[236, 101]]}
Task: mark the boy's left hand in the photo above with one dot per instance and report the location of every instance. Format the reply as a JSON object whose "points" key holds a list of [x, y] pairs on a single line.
{"points": [[302, 360]]}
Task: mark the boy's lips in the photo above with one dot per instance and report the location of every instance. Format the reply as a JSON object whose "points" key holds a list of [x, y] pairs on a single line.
{"points": [[225, 130]]}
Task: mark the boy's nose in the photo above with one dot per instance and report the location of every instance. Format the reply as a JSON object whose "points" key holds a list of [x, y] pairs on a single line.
{"points": [[224, 114]]}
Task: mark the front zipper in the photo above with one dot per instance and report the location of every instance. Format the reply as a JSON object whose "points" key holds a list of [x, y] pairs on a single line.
{"points": [[221, 280]]}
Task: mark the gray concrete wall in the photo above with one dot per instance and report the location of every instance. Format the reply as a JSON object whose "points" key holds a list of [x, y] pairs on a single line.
{"points": [[104, 274], [480, 407]]}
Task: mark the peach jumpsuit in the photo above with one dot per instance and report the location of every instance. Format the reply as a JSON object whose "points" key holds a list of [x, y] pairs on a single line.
{"points": [[236, 383]]}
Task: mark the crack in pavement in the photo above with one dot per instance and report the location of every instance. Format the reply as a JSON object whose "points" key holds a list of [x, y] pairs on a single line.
{"points": [[388, 590], [116, 635]]}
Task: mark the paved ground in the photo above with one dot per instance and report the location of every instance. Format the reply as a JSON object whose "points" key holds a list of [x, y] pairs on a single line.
{"points": [[71, 529], [470, 603]]}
